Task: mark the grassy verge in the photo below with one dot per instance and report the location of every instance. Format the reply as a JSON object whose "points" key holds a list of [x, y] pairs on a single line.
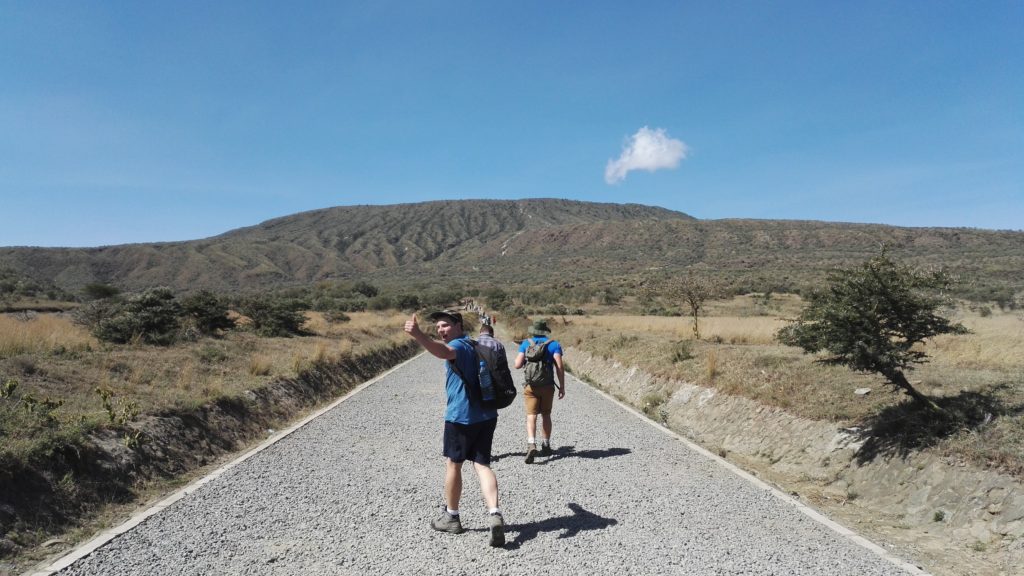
{"points": [[68, 402], [979, 377]]}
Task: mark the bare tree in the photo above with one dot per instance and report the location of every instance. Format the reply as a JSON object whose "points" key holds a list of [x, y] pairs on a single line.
{"points": [[691, 290]]}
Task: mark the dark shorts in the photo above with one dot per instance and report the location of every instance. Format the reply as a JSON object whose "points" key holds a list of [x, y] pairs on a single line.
{"points": [[469, 441]]}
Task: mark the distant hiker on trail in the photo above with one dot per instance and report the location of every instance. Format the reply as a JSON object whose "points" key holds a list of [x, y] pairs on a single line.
{"points": [[542, 358], [468, 429], [487, 338]]}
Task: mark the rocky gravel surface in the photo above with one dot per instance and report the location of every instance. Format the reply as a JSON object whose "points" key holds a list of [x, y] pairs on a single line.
{"points": [[353, 492]]}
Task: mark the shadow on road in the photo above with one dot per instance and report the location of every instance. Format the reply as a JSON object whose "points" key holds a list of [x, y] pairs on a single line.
{"points": [[566, 452], [569, 526]]}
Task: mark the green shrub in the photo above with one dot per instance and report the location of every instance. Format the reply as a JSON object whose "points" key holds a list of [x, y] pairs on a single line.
{"points": [[211, 355], [381, 302], [365, 288], [24, 414], [151, 317], [99, 291], [610, 297], [407, 301], [273, 315], [497, 299], [207, 312]]}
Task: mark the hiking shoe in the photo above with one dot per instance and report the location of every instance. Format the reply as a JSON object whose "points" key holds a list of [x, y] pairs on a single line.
{"points": [[531, 451], [545, 450], [447, 523], [497, 530]]}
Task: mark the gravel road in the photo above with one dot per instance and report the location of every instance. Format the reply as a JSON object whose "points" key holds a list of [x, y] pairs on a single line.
{"points": [[353, 491]]}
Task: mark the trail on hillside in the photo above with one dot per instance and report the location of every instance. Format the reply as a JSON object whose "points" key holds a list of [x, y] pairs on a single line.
{"points": [[354, 490]]}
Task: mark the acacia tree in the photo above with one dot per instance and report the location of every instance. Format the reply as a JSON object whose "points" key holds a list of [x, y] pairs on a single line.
{"points": [[691, 290], [871, 317]]}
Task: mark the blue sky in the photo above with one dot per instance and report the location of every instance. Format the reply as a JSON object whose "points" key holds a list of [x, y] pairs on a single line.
{"points": [[157, 121]]}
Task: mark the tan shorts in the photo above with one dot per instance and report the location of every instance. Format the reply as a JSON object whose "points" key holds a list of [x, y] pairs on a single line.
{"points": [[539, 400]]}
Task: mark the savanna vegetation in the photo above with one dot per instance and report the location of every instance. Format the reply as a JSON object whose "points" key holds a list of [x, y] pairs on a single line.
{"points": [[99, 371], [975, 377]]}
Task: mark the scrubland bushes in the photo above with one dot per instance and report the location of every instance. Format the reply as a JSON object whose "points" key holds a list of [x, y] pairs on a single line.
{"points": [[15, 286], [157, 316], [206, 312]]}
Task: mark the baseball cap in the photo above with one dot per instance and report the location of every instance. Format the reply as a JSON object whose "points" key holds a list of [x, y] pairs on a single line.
{"points": [[450, 315]]}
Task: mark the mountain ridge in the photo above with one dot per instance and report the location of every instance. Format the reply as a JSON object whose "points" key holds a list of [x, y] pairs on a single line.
{"points": [[514, 241]]}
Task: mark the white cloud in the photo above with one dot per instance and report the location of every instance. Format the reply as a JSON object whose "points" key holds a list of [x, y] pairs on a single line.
{"points": [[646, 150]]}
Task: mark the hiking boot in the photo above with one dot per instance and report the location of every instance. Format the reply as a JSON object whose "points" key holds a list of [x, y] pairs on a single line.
{"points": [[545, 450], [497, 530], [531, 451], [447, 523]]}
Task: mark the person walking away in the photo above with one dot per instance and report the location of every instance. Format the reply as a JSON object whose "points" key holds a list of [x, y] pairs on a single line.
{"points": [[539, 393], [468, 428], [486, 337]]}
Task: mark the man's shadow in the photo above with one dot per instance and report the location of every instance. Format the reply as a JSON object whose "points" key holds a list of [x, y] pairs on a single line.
{"points": [[567, 452], [569, 526]]}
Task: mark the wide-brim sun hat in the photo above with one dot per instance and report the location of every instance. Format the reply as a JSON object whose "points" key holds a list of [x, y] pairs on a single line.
{"points": [[540, 328]]}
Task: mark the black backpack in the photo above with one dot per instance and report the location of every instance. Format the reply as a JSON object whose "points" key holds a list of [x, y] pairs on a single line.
{"points": [[502, 391]]}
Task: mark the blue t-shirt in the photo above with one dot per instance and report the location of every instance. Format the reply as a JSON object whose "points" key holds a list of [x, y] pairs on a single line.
{"points": [[552, 349], [459, 410]]}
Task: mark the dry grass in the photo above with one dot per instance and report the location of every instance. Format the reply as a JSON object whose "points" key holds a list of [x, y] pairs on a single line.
{"points": [[360, 327], [728, 329], [157, 378], [42, 334], [774, 305], [260, 365], [738, 356], [996, 342]]}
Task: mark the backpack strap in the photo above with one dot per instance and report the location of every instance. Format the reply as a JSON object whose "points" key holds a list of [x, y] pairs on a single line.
{"points": [[544, 349], [473, 392]]}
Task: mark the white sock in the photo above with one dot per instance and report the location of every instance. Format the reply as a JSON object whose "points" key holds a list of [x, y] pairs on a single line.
{"points": [[531, 440], [544, 441], [495, 511], [451, 512]]}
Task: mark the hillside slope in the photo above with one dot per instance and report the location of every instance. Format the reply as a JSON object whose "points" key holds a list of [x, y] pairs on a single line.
{"points": [[512, 242], [340, 242]]}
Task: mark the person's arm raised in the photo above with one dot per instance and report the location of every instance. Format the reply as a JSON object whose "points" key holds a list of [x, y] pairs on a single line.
{"points": [[435, 347]]}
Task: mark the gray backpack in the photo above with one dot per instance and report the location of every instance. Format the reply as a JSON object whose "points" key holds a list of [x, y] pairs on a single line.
{"points": [[539, 370]]}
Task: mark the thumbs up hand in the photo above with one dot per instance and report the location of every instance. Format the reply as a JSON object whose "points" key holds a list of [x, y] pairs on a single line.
{"points": [[412, 327]]}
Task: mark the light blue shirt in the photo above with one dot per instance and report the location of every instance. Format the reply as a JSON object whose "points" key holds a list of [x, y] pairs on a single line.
{"points": [[552, 349]]}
